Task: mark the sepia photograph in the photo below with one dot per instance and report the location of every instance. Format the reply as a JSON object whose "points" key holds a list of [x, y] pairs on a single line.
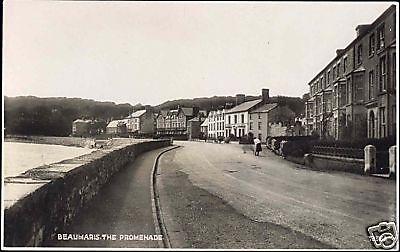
{"points": [[151, 125]]}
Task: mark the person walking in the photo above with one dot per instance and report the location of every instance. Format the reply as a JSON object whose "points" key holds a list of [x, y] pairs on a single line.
{"points": [[257, 146]]}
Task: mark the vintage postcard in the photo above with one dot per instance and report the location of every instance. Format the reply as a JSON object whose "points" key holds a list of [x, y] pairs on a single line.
{"points": [[140, 125]]}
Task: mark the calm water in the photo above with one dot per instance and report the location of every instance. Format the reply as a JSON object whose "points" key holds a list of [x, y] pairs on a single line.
{"points": [[20, 157]]}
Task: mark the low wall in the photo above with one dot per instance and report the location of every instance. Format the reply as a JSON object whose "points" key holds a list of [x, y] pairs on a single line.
{"points": [[325, 163], [42, 202]]}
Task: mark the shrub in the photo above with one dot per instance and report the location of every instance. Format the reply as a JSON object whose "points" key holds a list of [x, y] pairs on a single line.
{"points": [[297, 148], [232, 137], [246, 139], [382, 144]]}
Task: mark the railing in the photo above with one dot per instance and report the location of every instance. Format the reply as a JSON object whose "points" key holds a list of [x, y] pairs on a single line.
{"points": [[382, 161], [339, 152], [170, 129]]}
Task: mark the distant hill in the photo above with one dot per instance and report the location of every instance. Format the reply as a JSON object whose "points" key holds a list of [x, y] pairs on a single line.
{"points": [[30, 115], [204, 103], [218, 102]]}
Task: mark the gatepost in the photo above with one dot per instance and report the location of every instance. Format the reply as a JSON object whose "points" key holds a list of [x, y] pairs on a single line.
{"points": [[369, 159], [392, 160]]}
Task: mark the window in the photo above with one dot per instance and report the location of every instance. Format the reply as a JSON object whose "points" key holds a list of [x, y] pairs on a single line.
{"points": [[381, 37], [342, 95], [235, 118], [334, 72], [338, 70], [393, 119], [382, 119], [371, 49], [259, 125], [328, 78], [229, 119], [335, 95], [371, 85], [348, 82], [394, 72], [358, 88], [344, 64], [242, 115], [382, 74], [321, 81], [251, 125], [359, 54], [259, 115], [250, 116]]}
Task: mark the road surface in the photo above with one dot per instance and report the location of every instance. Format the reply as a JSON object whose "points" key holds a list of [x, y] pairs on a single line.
{"points": [[222, 196]]}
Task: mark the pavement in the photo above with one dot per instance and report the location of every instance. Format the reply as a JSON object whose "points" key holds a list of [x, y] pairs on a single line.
{"points": [[222, 196], [122, 207]]}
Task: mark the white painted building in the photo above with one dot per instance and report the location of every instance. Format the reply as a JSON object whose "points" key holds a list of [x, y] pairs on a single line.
{"points": [[237, 118], [216, 124]]}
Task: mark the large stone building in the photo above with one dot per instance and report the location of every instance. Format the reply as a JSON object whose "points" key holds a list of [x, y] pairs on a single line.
{"points": [[173, 123], [354, 95], [141, 122], [85, 128], [270, 119]]}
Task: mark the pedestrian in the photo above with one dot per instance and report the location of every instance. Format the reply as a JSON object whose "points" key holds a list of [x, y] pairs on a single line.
{"points": [[257, 146]]}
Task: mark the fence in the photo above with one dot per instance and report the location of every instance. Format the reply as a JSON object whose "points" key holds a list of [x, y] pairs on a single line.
{"points": [[339, 152], [382, 161]]}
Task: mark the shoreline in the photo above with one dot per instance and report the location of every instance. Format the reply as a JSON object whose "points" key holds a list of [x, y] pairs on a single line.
{"points": [[52, 140]]}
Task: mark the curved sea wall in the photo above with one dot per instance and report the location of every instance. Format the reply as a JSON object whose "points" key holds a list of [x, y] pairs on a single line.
{"points": [[40, 203]]}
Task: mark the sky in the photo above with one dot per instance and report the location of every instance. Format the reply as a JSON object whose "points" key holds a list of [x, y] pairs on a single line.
{"points": [[151, 52]]}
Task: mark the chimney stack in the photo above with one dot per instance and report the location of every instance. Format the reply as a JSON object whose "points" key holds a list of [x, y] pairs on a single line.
{"points": [[265, 95], [339, 51], [240, 99], [361, 29], [196, 111]]}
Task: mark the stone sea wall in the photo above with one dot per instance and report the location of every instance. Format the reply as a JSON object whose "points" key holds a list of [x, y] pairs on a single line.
{"points": [[40, 203]]}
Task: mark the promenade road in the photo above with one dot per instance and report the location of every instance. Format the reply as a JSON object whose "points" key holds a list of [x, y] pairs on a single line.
{"points": [[222, 196], [122, 207]]}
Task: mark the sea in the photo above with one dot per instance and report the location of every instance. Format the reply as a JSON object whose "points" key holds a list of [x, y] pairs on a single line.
{"points": [[20, 157]]}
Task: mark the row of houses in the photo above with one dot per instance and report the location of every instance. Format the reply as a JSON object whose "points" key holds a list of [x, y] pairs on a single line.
{"points": [[259, 117], [354, 95], [180, 123]]}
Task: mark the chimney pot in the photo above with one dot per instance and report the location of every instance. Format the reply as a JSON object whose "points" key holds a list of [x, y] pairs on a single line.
{"points": [[265, 94]]}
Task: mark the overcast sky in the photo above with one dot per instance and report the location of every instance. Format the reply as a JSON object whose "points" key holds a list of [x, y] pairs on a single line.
{"points": [[148, 53]]}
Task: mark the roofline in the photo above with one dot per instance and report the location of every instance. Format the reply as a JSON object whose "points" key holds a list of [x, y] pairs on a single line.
{"points": [[344, 50], [266, 111], [227, 111]]}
